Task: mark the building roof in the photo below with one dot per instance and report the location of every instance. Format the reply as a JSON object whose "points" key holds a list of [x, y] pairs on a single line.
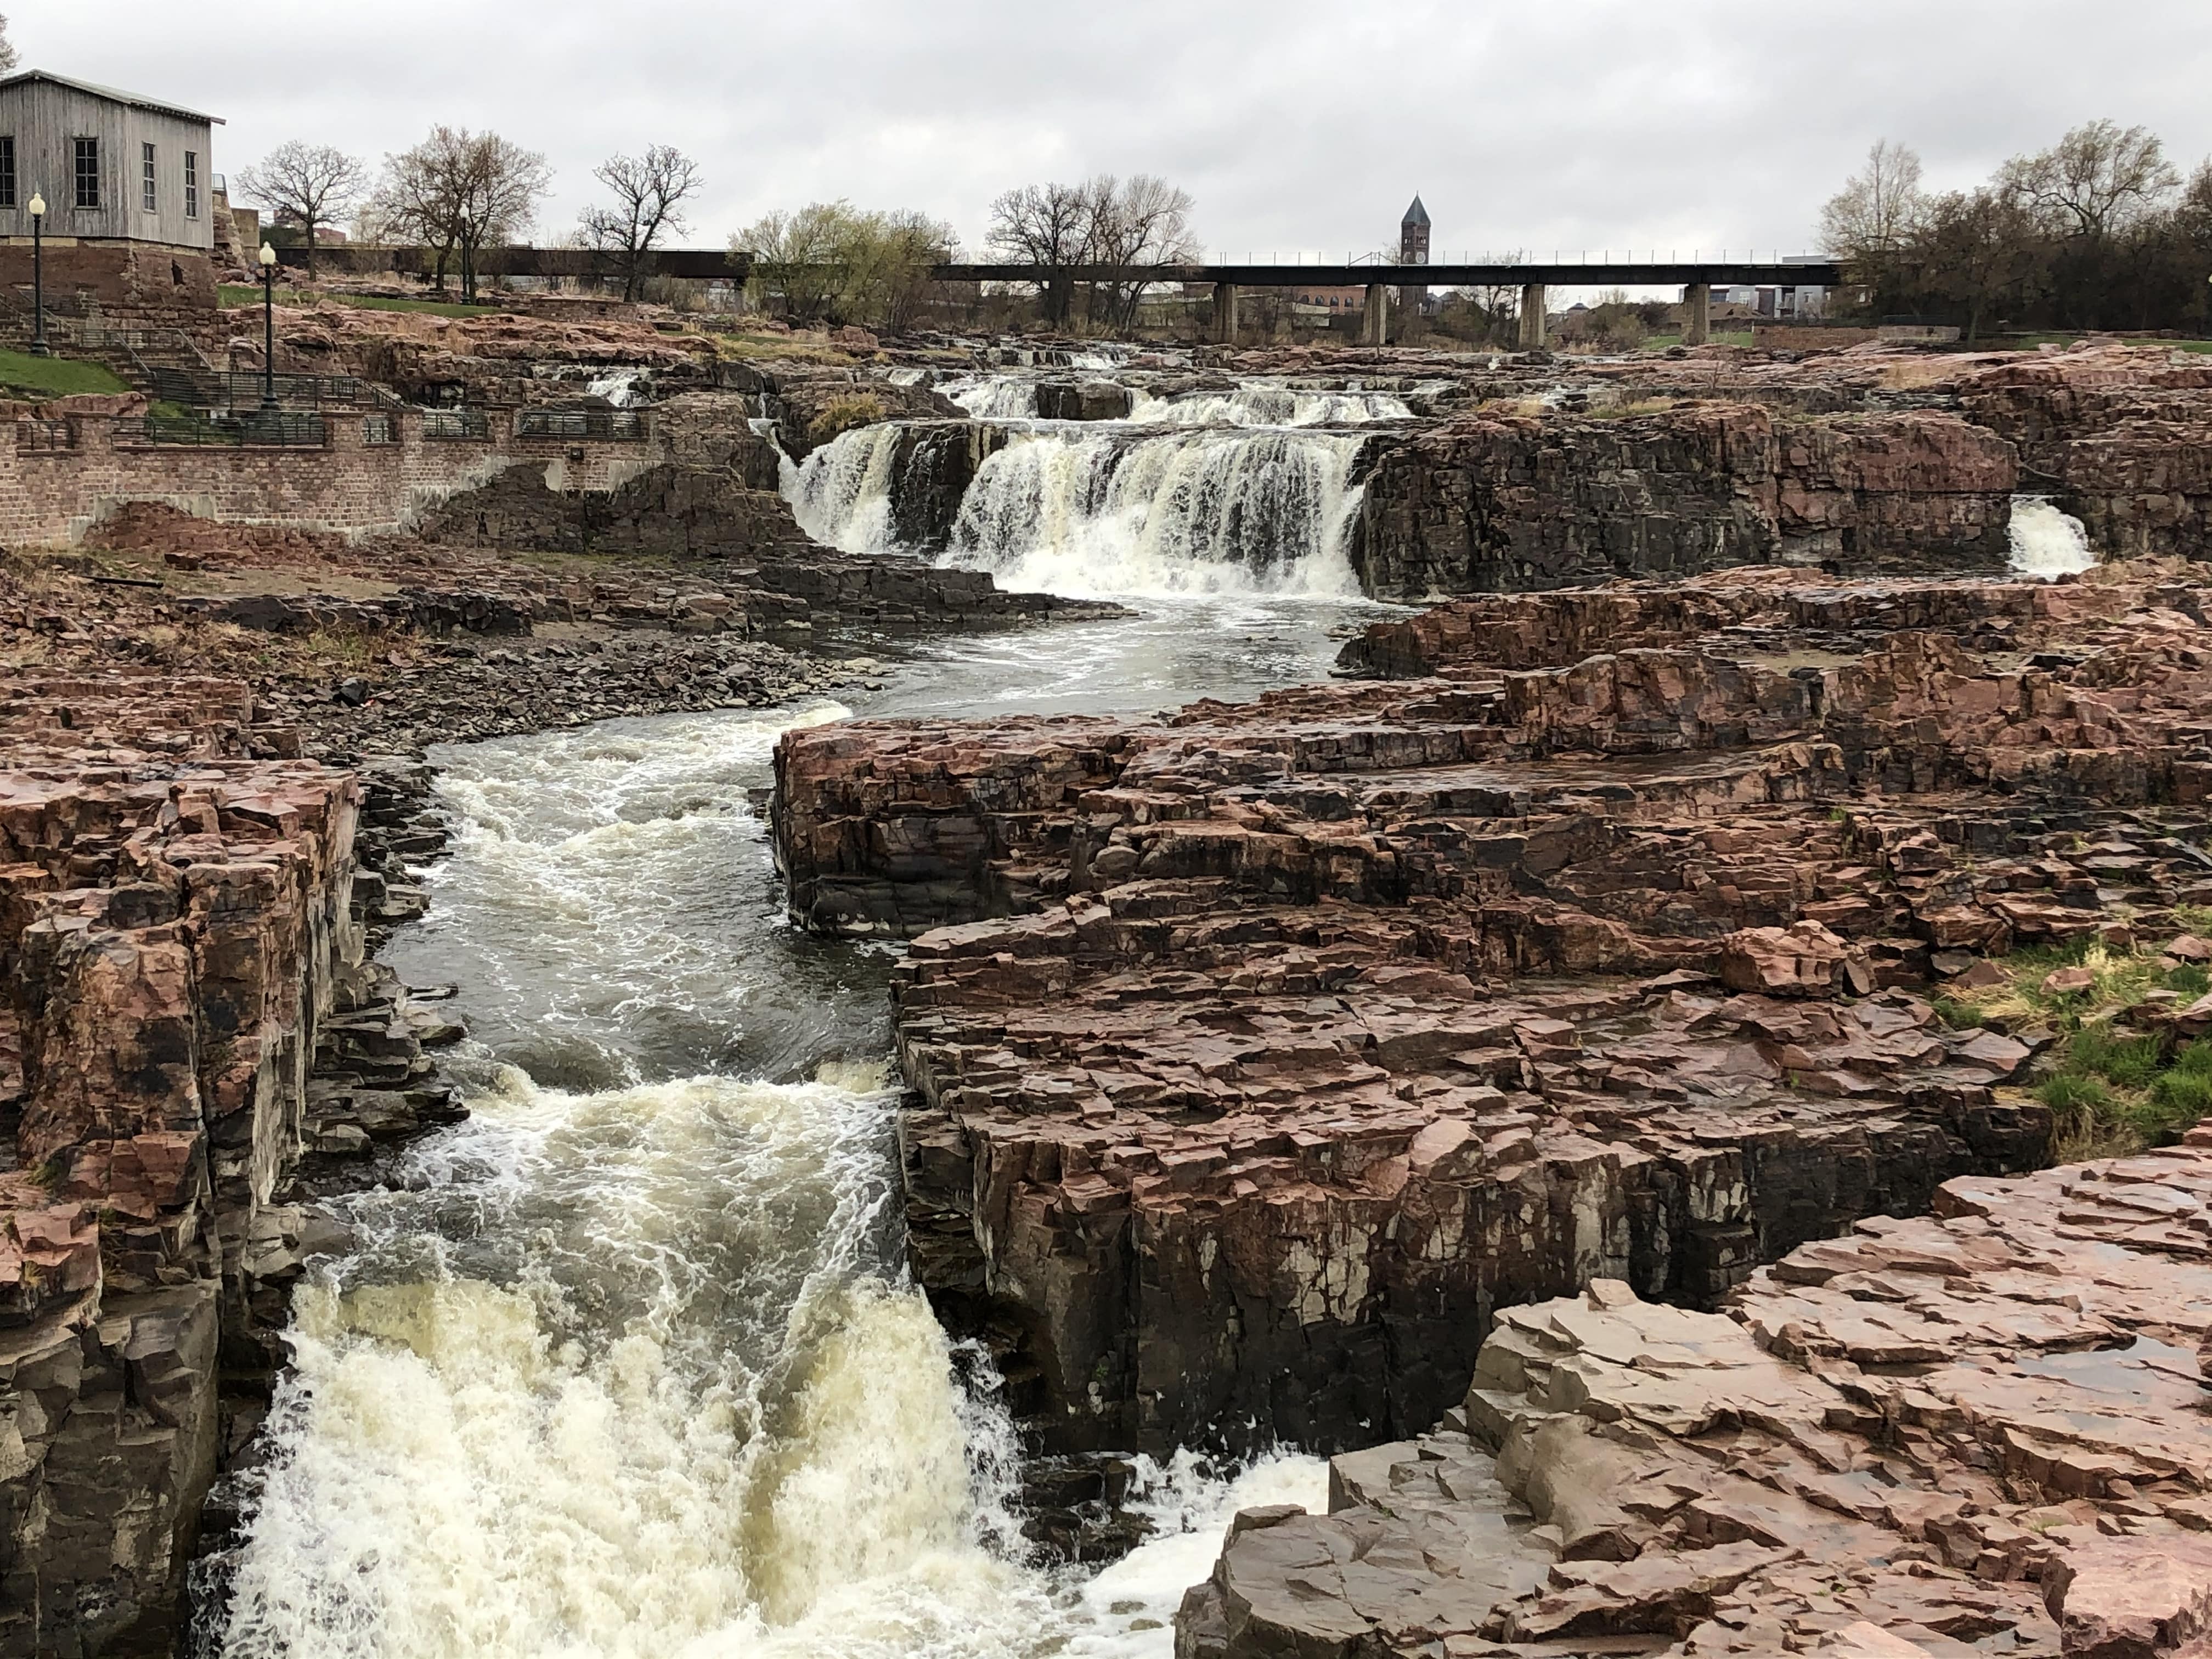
{"points": [[1415, 215], [159, 105]]}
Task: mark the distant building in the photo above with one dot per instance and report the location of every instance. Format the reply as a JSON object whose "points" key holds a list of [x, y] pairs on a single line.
{"points": [[1414, 235], [128, 183]]}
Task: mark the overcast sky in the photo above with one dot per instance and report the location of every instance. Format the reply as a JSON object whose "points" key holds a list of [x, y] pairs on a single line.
{"points": [[1540, 124]]}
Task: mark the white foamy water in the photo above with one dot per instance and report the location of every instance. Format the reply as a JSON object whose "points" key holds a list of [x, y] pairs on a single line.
{"points": [[2047, 543], [1270, 405], [1128, 1611], [997, 396], [626, 1366], [1101, 512], [841, 494], [625, 388]]}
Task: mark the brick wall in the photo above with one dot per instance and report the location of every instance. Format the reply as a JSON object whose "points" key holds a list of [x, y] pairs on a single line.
{"points": [[54, 495]]}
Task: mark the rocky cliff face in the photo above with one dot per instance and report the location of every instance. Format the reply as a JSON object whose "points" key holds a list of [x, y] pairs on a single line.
{"points": [[1865, 461], [1503, 504], [1264, 1053], [179, 936], [1980, 1431]]}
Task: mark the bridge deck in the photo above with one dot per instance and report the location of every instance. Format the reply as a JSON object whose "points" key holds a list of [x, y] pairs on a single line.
{"points": [[1568, 274]]}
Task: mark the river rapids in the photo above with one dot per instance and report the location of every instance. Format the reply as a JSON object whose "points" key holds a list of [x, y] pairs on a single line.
{"points": [[628, 1363]]}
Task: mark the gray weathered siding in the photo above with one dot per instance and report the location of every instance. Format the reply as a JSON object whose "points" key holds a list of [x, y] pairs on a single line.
{"points": [[46, 119]]}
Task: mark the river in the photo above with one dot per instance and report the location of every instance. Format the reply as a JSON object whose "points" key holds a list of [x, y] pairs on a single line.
{"points": [[628, 1364]]}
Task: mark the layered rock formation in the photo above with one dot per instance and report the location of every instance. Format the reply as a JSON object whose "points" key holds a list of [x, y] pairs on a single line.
{"points": [[179, 937], [1264, 1053], [1982, 1431]]}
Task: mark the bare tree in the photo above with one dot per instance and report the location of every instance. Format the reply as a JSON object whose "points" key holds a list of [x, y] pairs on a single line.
{"points": [[1877, 210], [9, 56], [1047, 226], [650, 191], [2097, 179], [1145, 221], [309, 187], [459, 191]]}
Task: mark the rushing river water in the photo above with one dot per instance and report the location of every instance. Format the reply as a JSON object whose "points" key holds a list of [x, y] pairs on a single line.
{"points": [[627, 1364]]}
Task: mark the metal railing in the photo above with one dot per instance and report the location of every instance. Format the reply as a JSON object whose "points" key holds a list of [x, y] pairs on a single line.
{"points": [[377, 430], [456, 426], [36, 435], [261, 429], [231, 389], [616, 425]]}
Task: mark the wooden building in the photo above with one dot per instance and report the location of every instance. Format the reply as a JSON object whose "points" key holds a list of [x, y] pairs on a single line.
{"points": [[129, 185]]}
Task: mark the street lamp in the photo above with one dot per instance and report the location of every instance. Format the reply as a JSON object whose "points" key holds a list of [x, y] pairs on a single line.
{"points": [[38, 206], [268, 326]]}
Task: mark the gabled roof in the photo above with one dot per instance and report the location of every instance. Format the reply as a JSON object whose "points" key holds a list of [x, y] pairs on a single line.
{"points": [[160, 107], [1415, 215]]}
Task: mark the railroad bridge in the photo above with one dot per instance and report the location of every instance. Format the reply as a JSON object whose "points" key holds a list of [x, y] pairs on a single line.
{"points": [[1696, 277]]}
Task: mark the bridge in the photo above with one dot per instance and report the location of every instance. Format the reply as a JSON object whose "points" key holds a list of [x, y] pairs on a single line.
{"points": [[1696, 277]]}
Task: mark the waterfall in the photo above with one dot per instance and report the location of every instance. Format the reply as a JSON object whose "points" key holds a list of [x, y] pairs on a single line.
{"points": [[627, 1366], [1270, 405], [625, 388], [1104, 511], [2047, 543], [841, 494], [996, 396]]}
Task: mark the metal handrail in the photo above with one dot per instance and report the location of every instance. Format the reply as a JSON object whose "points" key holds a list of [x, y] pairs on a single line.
{"points": [[617, 425], [456, 425], [262, 429], [46, 434]]}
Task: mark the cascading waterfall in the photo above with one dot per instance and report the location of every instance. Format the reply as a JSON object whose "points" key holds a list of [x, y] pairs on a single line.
{"points": [[1248, 492], [996, 396], [1271, 405], [841, 494], [626, 1367], [1099, 510], [2047, 543]]}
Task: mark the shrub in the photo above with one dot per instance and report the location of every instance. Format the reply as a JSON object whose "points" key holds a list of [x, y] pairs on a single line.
{"points": [[842, 415]]}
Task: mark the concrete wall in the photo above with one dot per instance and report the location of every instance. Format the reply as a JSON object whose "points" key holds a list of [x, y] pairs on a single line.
{"points": [[53, 496]]}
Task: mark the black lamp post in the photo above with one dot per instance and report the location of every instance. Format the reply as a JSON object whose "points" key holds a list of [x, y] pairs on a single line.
{"points": [[268, 326], [38, 206]]}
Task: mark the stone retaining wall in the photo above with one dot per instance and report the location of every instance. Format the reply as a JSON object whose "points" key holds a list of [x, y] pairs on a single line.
{"points": [[54, 495]]}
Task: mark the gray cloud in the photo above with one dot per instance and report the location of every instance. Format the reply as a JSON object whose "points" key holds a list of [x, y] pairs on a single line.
{"points": [[1294, 122]]}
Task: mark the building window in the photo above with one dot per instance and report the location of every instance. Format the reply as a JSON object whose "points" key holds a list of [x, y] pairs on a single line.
{"points": [[147, 199], [192, 184], [7, 171], [87, 172]]}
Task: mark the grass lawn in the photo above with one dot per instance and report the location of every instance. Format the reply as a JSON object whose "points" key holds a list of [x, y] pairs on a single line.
{"points": [[239, 298], [54, 377]]}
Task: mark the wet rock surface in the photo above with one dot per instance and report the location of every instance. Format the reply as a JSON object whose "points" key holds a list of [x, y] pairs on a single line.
{"points": [[1264, 1054]]}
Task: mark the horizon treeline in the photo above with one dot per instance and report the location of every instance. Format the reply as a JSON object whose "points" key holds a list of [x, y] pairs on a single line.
{"points": [[2099, 231]]}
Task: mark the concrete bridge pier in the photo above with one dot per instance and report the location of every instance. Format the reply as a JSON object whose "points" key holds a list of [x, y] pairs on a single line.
{"points": [[1697, 313], [1533, 317], [1224, 313], [1375, 320]]}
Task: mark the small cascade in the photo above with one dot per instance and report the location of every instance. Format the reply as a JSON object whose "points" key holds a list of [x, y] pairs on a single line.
{"points": [[841, 493], [1271, 405], [625, 388], [996, 396], [1103, 511], [2047, 543]]}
